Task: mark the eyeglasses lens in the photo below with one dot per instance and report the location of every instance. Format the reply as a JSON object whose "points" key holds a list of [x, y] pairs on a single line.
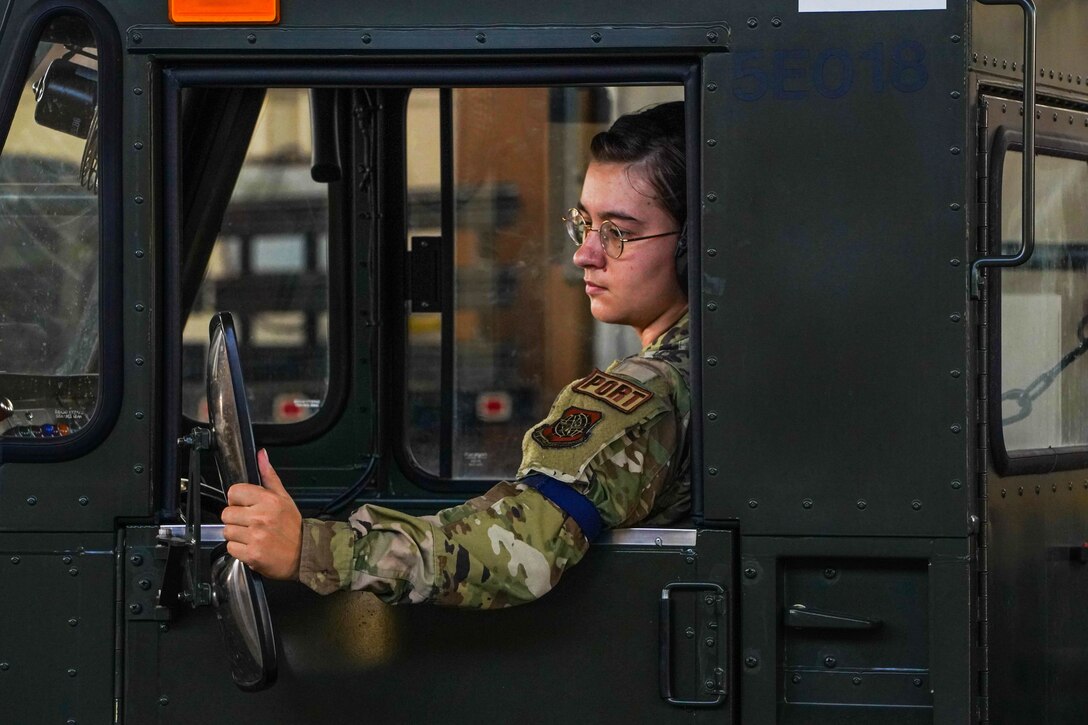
{"points": [[611, 239]]}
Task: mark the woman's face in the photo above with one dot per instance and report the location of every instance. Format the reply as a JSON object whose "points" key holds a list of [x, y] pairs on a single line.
{"points": [[640, 288]]}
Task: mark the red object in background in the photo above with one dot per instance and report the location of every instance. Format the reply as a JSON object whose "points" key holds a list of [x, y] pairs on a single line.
{"points": [[494, 406]]}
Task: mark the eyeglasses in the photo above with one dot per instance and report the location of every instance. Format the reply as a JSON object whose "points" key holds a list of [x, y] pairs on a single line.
{"points": [[612, 237]]}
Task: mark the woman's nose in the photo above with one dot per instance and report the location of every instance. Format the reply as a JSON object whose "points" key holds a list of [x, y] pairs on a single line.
{"points": [[590, 253]]}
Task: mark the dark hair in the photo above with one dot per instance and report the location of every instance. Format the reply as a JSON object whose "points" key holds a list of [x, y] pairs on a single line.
{"points": [[653, 137]]}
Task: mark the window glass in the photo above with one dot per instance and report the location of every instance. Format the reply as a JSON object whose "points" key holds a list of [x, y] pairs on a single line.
{"points": [[269, 269], [507, 325], [1044, 307], [49, 241]]}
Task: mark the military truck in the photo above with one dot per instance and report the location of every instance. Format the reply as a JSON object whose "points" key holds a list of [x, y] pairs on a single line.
{"points": [[332, 230]]}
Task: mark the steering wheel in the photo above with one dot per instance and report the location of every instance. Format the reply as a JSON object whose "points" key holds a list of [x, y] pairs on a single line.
{"points": [[238, 595]]}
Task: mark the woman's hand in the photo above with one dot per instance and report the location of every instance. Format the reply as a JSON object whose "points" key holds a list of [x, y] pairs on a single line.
{"points": [[263, 526]]}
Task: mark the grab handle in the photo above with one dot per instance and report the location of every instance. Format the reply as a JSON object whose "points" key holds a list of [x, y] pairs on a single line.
{"points": [[1027, 236]]}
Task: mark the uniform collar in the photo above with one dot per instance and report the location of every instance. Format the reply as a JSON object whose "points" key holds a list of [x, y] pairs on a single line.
{"points": [[674, 338]]}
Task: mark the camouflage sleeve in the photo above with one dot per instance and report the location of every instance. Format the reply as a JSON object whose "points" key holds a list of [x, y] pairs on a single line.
{"points": [[629, 457], [506, 547]]}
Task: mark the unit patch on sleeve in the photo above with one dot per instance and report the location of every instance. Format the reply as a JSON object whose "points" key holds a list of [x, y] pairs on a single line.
{"points": [[617, 392], [570, 430]]}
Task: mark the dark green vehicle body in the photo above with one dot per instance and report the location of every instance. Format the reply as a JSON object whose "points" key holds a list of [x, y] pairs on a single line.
{"points": [[845, 174]]}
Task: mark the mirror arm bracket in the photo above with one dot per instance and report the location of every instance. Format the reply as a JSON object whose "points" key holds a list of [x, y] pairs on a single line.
{"points": [[197, 591]]}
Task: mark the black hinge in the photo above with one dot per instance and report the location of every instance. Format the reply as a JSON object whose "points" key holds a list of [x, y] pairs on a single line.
{"points": [[982, 344], [424, 270]]}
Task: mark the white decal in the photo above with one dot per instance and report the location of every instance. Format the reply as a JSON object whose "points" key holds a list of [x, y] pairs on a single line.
{"points": [[849, 6]]}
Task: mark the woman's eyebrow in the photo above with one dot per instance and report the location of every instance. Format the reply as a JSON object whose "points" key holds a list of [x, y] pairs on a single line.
{"points": [[612, 215]]}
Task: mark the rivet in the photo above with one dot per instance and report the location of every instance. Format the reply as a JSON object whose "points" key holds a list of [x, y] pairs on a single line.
{"points": [[1004, 492], [862, 504], [144, 584], [954, 206], [752, 503], [164, 627], [712, 415], [136, 560], [481, 38], [1019, 490], [955, 150], [251, 38], [689, 632], [709, 684], [806, 503], [713, 470], [137, 38], [776, 22], [1004, 64], [366, 38], [796, 679], [67, 558], [752, 22], [709, 642], [751, 662], [71, 672], [139, 361], [954, 262], [138, 145], [712, 361], [954, 38], [750, 573], [73, 622], [712, 142], [15, 560], [73, 572], [712, 306], [917, 681], [135, 608], [4, 666], [955, 428], [596, 37], [830, 573], [1037, 489], [164, 701], [1053, 488], [712, 37], [955, 94], [1070, 485], [137, 468], [138, 307], [138, 199], [711, 196], [916, 505], [956, 485], [31, 500], [712, 86], [856, 680], [955, 317], [137, 91], [830, 661], [139, 415], [712, 252], [1054, 117], [955, 373]]}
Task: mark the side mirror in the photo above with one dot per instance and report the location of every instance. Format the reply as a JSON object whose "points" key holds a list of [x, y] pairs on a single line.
{"points": [[237, 593]]}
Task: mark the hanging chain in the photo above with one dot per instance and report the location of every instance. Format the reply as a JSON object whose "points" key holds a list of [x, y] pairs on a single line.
{"points": [[1025, 397]]}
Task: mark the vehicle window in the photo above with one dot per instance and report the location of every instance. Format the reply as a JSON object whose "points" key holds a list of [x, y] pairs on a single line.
{"points": [[1044, 308], [499, 321], [269, 268], [49, 241]]}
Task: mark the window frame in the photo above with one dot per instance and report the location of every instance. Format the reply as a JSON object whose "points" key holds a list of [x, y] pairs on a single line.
{"points": [[1036, 460], [683, 73], [110, 282]]}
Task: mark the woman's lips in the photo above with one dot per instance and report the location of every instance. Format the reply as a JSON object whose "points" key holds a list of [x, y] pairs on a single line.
{"points": [[594, 289]]}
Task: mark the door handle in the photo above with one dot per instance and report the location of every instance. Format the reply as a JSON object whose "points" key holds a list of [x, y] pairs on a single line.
{"points": [[665, 642], [801, 617]]}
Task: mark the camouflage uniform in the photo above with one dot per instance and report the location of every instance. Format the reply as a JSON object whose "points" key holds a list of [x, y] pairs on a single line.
{"points": [[618, 437]]}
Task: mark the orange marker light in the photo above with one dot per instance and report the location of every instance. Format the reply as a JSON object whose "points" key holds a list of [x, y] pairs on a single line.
{"points": [[225, 11]]}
